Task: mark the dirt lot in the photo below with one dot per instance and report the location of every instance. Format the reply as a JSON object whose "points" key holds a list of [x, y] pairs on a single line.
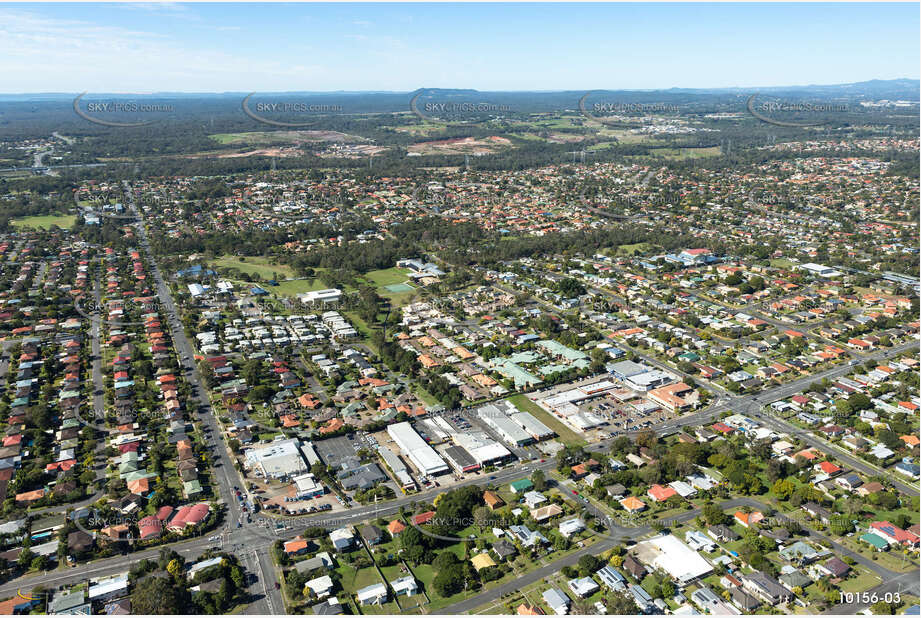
{"points": [[465, 145]]}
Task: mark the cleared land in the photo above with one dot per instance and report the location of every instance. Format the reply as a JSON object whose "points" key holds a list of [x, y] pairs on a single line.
{"points": [[254, 266], [45, 221]]}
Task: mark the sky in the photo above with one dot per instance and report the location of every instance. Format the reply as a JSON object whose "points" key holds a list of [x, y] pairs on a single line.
{"points": [[188, 47]]}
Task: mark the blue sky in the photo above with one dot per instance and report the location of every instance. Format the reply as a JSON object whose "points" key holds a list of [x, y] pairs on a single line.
{"points": [[323, 47]]}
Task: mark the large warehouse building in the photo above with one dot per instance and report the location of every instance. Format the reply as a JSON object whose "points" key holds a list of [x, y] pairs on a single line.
{"points": [[499, 421], [420, 454]]}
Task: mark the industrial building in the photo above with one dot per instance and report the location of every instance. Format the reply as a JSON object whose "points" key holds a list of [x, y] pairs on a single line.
{"points": [[668, 553], [534, 427], [484, 450], [397, 468], [278, 460], [498, 420], [460, 459], [420, 454]]}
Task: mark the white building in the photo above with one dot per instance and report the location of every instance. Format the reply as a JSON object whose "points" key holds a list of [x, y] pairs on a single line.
{"points": [[420, 454], [277, 460], [681, 562]]}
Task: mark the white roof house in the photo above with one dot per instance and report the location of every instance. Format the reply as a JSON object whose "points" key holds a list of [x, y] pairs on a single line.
{"points": [[321, 586], [406, 586], [571, 527], [583, 586], [342, 538], [375, 594], [557, 601], [675, 558], [533, 498]]}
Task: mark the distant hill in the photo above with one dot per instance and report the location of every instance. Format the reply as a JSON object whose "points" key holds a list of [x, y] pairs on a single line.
{"points": [[873, 89]]}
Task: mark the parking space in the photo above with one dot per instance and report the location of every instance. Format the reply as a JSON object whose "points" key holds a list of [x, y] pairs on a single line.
{"points": [[334, 451]]}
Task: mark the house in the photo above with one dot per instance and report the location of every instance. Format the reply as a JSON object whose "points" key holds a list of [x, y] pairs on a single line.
{"points": [[611, 578], [405, 586], [296, 547], [834, 567], [322, 586], [658, 493], [893, 534], [329, 607], [546, 512], [875, 541], [492, 500], [632, 566], [371, 534], [583, 586], [529, 610], [849, 481], [697, 540], [743, 600], [503, 549], [482, 561], [342, 538], [632, 504], [521, 486], [722, 533], [766, 588], [557, 601], [571, 527], [801, 552], [534, 498], [748, 519], [817, 512], [375, 594], [395, 528]]}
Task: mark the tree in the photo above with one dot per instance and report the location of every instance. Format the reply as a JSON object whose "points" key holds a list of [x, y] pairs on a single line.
{"points": [[448, 582], [713, 514], [588, 564], [482, 516], [159, 596], [539, 480]]}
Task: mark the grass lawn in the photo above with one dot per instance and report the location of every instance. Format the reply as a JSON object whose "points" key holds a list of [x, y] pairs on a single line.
{"points": [[297, 286], [567, 435], [634, 249], [353, 581], [388, 276], [425, 396], [865, 579], [46, 221], [258, 265], [686, 153]]}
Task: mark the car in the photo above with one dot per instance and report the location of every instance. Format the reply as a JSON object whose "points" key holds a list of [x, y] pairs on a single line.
{"points": [[492, 478]]}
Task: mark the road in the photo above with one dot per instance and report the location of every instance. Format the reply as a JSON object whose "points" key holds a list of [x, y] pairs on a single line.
{"points": [[256, 539], [223, 468]]}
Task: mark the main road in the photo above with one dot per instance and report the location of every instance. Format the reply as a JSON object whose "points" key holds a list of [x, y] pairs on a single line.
{"points": [[254, 539]]}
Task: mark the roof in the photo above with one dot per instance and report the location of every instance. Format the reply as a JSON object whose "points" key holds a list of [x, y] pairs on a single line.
{"points": [[482, 561]]}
